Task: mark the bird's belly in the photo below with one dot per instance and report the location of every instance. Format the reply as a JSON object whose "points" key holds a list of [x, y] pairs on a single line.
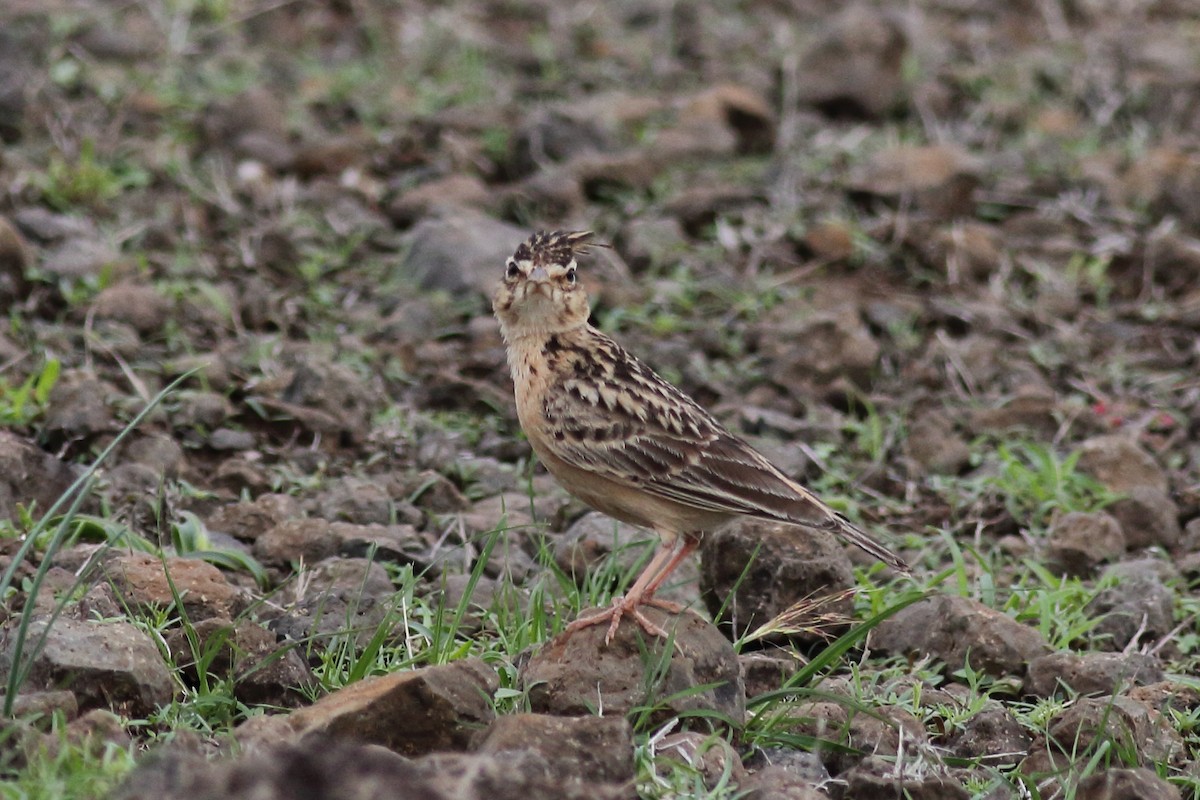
{"points": [[629, 503]]}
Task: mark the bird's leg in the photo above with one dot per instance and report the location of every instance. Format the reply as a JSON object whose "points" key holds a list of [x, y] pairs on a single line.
{"points": [[665, 560]]}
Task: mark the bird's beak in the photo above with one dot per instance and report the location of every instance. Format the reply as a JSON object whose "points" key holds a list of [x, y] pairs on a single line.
{"points": [[539, 275]]}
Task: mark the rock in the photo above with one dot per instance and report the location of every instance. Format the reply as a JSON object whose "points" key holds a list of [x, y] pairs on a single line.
{"points": [[449, 191], [935, 446], [359, 500], [230, 440], [1148, 518], [797, 767], [1126, 784], [460, 253], [159, 452], [548, 136], [29, 476], [819, 348], [335, 605], [262, 670], [854, 66], [507, 776], [1140, 605], [39, 707], [1031, 409], [588, 750], [293, 540], [951, 629], [110, 665], [700, 206], [1120, 464], [937, 179], [321, 395], [876, 779], [711, 756], [1167, 696], [249, 521], [1126, 723], [422, 711], [359, 576], [766, 671], [79, 257], [1089, 673], [140, 581], [327, 770], [1080, 541], [790, 565], [645, 242], [399, 543], [142, 307], [779, 783], [742, 113], [78, 409], [574, 675], [993, 736]]}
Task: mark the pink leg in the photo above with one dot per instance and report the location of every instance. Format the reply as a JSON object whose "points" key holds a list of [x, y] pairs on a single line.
{"points": [[664, 562]]}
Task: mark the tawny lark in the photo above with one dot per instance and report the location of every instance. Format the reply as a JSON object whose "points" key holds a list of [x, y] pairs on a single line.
{"points": [[622, 439]]}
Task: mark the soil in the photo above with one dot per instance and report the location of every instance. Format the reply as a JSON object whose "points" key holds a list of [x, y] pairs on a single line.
{"points": [[938, 260]]}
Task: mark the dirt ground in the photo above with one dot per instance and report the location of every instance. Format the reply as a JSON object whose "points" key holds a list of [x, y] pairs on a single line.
{"points": [[940, 260]]}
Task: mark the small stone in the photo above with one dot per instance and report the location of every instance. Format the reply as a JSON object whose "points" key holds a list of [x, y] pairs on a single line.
{"points": [[1090, 673], [1128, 724], [460, 253], [143, 307], [587, 749], [1120, 464], [876, 779], [293, 540], [992, 735], [854, 66], [952, 629], [779, 783], [1148, 518], [29, 476], [939, 179], [651, 241], [450, 191], [263, 670], [790, 565], [249, 521], [766, 671], [1080, 541], [935, 446], [574, 675], [1140, 606], [422, 711], [140, 580], [110, 665], [819, 348], [1126, 784]]}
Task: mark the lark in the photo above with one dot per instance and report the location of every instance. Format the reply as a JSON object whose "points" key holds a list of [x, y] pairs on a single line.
{"points": [[626, 442]]}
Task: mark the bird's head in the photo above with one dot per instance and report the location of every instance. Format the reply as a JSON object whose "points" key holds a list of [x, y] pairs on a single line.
{"points": [[540, 292]]}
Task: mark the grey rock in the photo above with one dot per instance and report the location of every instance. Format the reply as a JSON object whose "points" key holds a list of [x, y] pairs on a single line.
{"points": [[588, 749], [110, 665], [953, 629], [412, 713], [1080, 541], [1090, 673], [577, 674], [460, 253], [773, 567]]}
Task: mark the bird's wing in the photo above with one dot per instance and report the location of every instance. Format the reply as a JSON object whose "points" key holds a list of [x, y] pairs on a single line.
{"points": [[617, 418]]}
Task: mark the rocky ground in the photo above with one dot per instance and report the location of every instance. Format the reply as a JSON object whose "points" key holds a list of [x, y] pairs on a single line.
{"points": [[940, 260]]}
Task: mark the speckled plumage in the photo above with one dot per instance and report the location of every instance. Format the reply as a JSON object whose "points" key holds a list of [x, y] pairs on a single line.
{"points": [[621, 438]]}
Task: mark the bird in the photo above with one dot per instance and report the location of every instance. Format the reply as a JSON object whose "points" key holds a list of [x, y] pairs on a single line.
{"points": [[625, 441]]}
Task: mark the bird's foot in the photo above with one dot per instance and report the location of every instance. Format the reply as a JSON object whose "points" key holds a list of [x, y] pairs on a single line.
{"points": [[625, 606]]}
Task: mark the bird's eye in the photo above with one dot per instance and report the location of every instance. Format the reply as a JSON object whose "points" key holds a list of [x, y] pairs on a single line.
{"points": [[571, 276], [512, 272]]}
